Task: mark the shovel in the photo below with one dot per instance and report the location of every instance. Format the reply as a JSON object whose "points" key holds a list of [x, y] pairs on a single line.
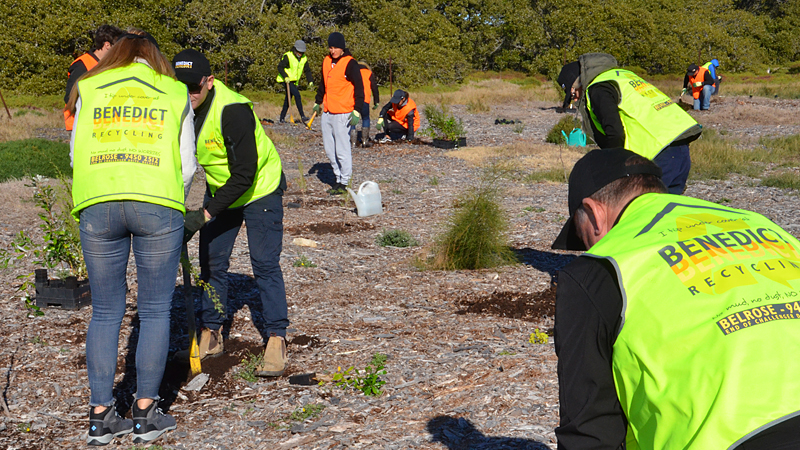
{"points": [[308, 125], [289, 102], [194, 348]]}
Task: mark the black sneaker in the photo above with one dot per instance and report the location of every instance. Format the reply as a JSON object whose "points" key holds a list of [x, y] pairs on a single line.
{"points": [[150, 423], [337, 189], [105, 426]]}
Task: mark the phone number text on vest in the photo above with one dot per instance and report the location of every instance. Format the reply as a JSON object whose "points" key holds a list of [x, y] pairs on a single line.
{"points": [[758, 315], [125, 157]]}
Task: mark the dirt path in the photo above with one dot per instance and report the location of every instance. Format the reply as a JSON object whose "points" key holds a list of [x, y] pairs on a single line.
{"points": [[461, 372]]}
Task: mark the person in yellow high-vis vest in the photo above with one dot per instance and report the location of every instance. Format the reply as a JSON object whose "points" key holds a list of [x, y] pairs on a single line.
{"points": [[677, 328], [244, 184], [621, 109], [132, 152], [104, 38], [292, 66]]}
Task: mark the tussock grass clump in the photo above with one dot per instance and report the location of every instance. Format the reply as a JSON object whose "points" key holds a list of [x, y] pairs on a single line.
{"points": [[396, 238], [554, 174], [566, 124], [30, 157], [783, 180], [715, 157], [475, 235], [783, 150]]}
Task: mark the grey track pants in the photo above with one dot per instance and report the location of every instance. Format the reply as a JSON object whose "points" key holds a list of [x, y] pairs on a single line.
{"points": [[336, 139]]}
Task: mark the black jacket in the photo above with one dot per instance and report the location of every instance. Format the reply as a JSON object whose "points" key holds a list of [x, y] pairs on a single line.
{"points": [[353, 74]]}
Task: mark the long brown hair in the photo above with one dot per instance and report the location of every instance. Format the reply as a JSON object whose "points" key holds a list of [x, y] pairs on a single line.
{"points": [[124, 53]]}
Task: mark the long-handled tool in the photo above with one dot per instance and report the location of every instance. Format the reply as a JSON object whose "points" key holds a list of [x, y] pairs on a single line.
{"points": [[194, 348], [289, 101], [308, 124]]}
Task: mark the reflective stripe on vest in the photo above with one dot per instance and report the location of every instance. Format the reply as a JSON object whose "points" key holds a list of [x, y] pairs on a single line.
{"points": [[365, 74], [88, 61], [650, 118], [295, 69], [339, 91], [213, 155], [127, 138], [401, 115], [696, 82], [705, 356]]}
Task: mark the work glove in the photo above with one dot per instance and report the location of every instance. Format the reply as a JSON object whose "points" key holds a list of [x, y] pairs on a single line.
{"points": [[379, 125], [317, 109], [355, 117], [311, 86], [193, 221], [376, 105], [684, 91]]}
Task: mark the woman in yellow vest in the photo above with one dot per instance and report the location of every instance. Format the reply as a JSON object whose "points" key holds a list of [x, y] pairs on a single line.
{"points": [[673, 330], [132, 152], [399, 117]]}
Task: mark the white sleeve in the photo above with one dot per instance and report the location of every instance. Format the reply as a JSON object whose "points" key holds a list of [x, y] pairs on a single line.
{"points": [[188, 148], [72, 134]]}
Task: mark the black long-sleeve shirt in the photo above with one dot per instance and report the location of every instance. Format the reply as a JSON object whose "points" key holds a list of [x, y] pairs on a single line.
{"points": [[376, 95], [75, 71], [353, 74], [708, 80], [604, 98], [284, 64], [238, 132], [588, 314]]}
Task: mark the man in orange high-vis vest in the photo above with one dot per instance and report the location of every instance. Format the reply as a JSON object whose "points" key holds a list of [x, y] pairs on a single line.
{"points": [[340, 97], [104, 38], [702, 85], [371, 94], [399, 117]]}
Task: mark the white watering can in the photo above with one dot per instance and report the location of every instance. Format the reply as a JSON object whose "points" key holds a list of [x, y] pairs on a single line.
{"points": [[368, 199]]}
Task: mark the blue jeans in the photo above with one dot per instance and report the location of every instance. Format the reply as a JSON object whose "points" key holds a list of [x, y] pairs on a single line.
{"points": [[364, 120], [264, 220], [107, 232], [704, 102], [675, 163]]}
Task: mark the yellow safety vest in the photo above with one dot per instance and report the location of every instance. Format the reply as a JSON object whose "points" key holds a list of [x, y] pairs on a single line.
{"points": [[295, 69]]}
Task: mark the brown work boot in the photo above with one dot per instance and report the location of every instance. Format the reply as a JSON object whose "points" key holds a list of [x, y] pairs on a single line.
{"points": [[210, 345], [274, 361]]}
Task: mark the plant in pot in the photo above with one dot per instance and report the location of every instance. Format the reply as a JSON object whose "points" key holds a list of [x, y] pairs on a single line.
{"points": [[446, 130]]}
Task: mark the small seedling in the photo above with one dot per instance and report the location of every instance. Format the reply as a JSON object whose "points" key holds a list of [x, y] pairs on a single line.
{"points": [[506, 353], [434, 181], [38, 340], [249, 365], [306, 412], [397, 192], [538, 337], [533, 209], [303, 261], [24, 427], [301, 182], [519, 128], [396, 238], [368, 381], [723, 200]]}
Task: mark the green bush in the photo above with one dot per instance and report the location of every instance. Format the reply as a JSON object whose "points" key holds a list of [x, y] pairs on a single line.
{"points": [[396, 238], [566, 124], [475, 237], [30, 157], [442, 124]]}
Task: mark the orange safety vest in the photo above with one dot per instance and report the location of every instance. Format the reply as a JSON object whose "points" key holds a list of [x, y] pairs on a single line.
{"points": [[697, 82], [339, 92], [89, 62], [365, 74], [400, 115]]}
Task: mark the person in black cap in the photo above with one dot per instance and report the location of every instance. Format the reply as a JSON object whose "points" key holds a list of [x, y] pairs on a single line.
{"points": [[340, 97], [566, 77], [699, 80], [244, 183], [621, 109], [651, 331], [291, 66], [399, 117]]}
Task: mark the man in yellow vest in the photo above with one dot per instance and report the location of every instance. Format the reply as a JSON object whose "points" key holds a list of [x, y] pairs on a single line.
{"points": [[340, 97], [244, 183], [674, 330], [292, 65], [104, 38], [620, 109], [399, 117]]}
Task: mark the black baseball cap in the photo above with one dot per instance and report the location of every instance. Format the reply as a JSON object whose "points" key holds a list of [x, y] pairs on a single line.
{"points": [[591, 173], [692, 69], [398, 96], [569, 73], [191, 66]]}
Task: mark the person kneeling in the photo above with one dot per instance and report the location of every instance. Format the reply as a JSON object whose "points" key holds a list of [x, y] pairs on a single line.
{"points": [[399, 118]]}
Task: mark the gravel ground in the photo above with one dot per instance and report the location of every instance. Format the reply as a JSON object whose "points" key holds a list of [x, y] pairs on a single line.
{"points": [[461, 372]]}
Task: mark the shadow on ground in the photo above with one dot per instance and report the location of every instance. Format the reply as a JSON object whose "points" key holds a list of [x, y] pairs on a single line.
{"points": [[461, 434], [549, 262]]}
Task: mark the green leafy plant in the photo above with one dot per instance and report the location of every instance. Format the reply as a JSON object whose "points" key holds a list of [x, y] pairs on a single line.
{"points": [[434, 181], [367, 381], [207, 287], [24, 427], [442, 124], [61, 234], [306, 412], [303, 261], [538, 337], [566, 124], [250, 363], [396, 238], [39, 341]]}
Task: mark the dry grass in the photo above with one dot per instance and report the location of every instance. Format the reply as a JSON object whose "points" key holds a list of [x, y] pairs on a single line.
{"points": [[490, 92], [26, 121], [523, 156], [17, 199]]}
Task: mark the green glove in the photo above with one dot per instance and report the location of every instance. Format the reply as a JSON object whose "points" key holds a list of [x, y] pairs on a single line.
{"points": [[684, 91], [311, 86], [375, 107], [193, 221], [317, 109], [355, 117], [379, 125]]}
